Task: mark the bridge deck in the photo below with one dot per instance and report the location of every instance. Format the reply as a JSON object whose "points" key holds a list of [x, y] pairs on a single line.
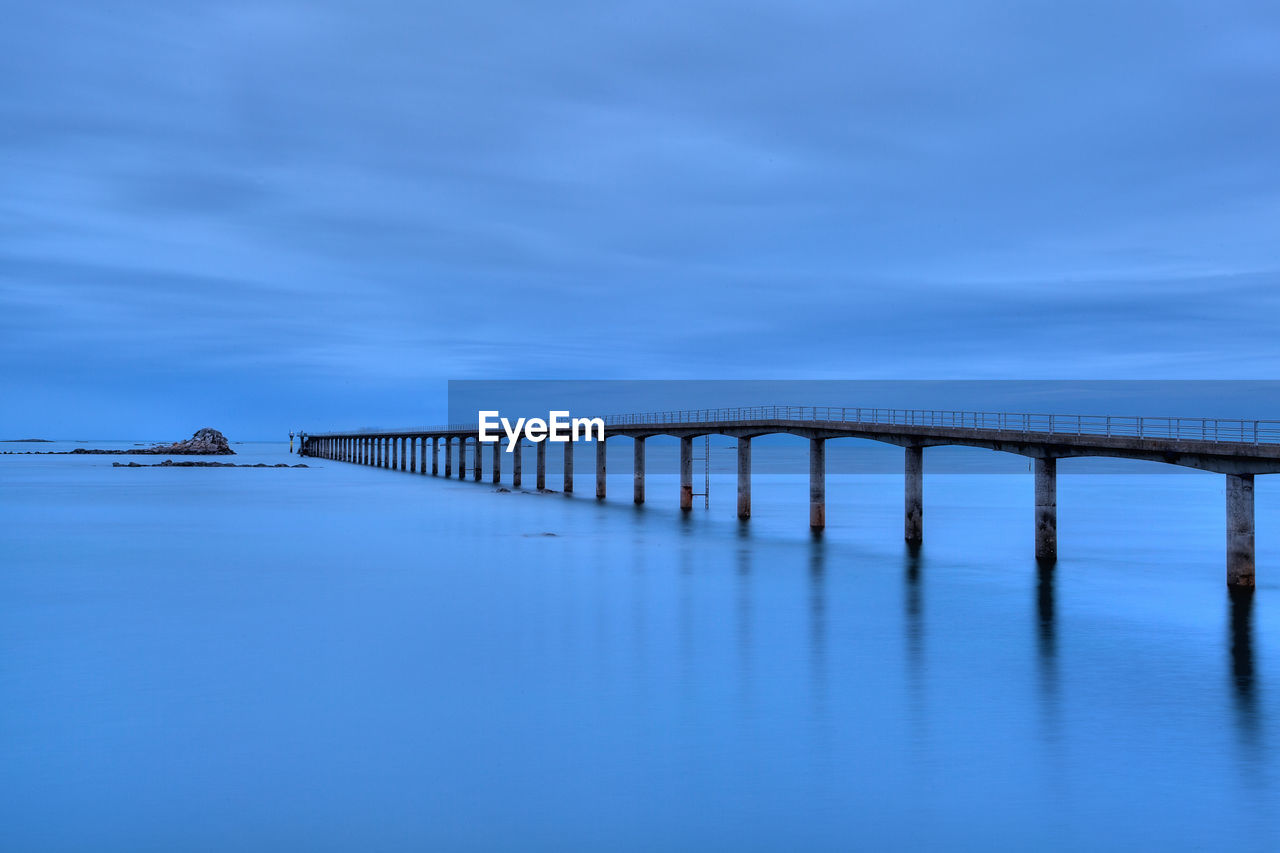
{"points": [[1224, 446]]}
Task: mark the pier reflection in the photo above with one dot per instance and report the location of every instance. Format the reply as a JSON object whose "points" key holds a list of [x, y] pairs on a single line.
{"points": [[1046, 628], [913, 603], [914, 630], [743, 611], [1046, 623], [1243, 671], [818, 620]]}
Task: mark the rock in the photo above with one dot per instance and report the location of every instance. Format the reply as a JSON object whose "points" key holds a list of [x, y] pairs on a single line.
{"points": [[193, 463], [205, 442]]}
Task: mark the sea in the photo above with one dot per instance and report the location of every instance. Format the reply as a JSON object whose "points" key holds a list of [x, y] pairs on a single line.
{"points": [[342, 658]]}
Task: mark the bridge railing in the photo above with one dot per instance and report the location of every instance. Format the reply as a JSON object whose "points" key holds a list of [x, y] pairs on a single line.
{"points": [[1186, 429]]}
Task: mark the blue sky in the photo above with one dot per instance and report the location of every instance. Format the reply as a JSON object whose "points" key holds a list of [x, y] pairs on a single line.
{"points": [[263, 215]]}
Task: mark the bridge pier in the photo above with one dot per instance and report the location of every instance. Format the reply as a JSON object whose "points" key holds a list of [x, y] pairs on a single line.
{"points": [[600, 468], [395, 453], [413, 454], [448, 456], [422, 454], [435, 456], [542, 465], [477, 464], [377, 452], [817, 483], [1046, 470], [637, 471], [686, 473], [1240, 558], [462, 457], [914, 493], [568, 467], [744, 478], [497, 461]]}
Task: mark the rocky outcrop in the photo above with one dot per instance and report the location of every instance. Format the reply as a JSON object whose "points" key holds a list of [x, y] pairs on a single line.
{"points": [[205, 442], [187, 463]]}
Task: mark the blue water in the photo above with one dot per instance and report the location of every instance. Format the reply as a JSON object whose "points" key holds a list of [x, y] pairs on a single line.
{"points": [[343, 658]]}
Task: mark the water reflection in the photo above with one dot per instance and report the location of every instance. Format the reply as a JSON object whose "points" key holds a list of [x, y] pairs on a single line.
{"points": [[743, 611], [913, 601], [1243, 673], [1047, 645], [1046, 628], [818, 621], [913, 623]]}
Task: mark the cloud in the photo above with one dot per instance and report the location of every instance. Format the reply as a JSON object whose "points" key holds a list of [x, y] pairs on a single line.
{"points": [[385, 193]]}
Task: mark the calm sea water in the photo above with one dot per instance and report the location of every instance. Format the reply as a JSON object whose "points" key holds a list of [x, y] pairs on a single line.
{"points": [[343, 658]]}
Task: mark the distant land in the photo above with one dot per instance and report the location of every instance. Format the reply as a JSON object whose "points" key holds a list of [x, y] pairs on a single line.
{"points": [[20, 440], [205, 442]]}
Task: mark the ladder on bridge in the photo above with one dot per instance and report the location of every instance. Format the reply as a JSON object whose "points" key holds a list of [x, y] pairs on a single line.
{"points": [[706, 473]]}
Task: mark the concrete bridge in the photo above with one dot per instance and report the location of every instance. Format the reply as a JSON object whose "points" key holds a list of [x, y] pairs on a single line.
{"points": [[1239, 449]]}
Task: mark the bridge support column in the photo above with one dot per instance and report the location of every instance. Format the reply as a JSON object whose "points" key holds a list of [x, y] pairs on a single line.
{"points": [[913, 526], [422, 454], [637, 471], [405, 449], [744, 478], [542, 464], [686, 473], [1046, 509], [568, 467], [497, 461], [600, 469], [1240, 530], [448, 456], [817, 483], [478, 462], [413, 454], [435, 455], [516, 454], [377, 452]]}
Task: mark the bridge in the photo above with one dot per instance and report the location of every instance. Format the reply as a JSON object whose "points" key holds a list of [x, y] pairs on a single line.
{"points": [[1238, 449]]}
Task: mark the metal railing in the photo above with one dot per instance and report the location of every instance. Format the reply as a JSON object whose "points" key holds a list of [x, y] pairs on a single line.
{"points": [[1184, 429], [1132, 426]]}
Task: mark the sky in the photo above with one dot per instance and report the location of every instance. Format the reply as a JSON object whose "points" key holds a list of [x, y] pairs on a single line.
{"points": [[272, 215]]}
